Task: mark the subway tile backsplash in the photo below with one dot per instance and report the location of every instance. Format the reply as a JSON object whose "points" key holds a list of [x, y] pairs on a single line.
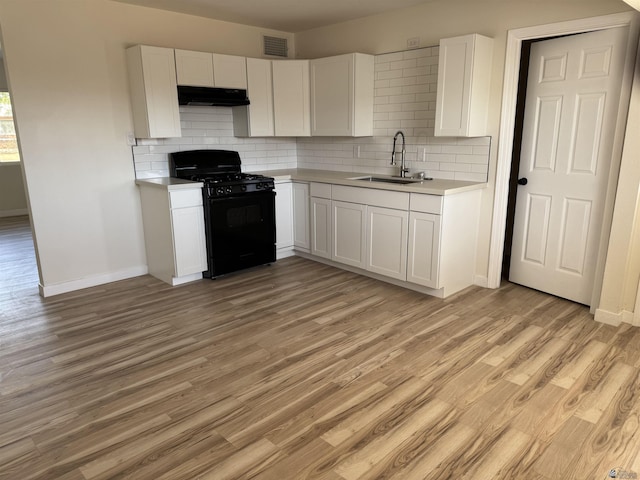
{"points": [[405, 99]]}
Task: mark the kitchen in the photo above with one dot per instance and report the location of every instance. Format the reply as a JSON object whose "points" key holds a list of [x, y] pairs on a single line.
{"points": [[67, 66]]}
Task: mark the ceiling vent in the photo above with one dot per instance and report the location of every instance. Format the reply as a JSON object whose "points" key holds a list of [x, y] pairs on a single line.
{"points": [[275, 46]]}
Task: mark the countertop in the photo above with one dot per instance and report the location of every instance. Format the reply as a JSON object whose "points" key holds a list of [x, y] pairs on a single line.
{"points": [[168, 183], [432, 187]]}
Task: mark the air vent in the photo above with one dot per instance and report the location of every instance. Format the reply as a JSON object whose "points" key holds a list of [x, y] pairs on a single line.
{"points": [[275, 46]]}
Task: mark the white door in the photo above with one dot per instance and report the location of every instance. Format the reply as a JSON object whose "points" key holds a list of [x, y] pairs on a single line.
{"points": [[284, 215], [424, 249], [570, 112], [301, 216], [291, 98]]}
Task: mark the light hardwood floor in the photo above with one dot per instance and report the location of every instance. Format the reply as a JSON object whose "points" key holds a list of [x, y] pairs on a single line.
{"points": [[300, 370]]}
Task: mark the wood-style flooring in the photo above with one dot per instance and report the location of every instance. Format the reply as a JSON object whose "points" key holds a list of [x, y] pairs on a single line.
{"points": [[300, 370]]}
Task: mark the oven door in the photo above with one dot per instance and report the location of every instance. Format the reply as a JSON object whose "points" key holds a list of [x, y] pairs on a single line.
{"points": [[241, 232]]}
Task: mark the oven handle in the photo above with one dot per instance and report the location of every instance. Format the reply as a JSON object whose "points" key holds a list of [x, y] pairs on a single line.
{"points": [[243, 196]]}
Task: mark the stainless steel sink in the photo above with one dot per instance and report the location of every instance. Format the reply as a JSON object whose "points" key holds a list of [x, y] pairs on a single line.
{"points": [[401, 181]]}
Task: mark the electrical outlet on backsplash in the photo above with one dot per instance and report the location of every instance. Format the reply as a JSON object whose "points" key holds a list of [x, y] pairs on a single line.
{"points": [[404, 99]]}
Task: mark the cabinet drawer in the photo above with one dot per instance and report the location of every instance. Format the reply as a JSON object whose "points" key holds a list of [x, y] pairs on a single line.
{"points": [[322, 190], [370, 196], [186, 198], [426, 203]]}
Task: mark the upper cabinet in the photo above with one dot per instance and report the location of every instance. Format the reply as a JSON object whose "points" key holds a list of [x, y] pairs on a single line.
{"points": [[229, 71], [256, 119], [464, 76], [342, 95], [202, 69], [194, 68], [152, 80], [291, 98]]}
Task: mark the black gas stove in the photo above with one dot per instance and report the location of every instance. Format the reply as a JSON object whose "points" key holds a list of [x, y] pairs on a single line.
{"points": [[219, 170], [239, 209]]}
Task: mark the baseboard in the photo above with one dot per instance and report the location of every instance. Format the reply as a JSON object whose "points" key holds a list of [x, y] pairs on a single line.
{"points": [[284, 253], [66, 287], [481, 281], [14, 213], [615, 319]]}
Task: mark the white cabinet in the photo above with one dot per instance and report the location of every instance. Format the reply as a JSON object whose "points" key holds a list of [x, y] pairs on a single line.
{"points": [[301, 228], [349, 234], [427, 242], [291, 98], [284, 218], [342, 95], [154, 97], [464, 77], [424, 249], [320, 219], [229, 71], [173, 222], [194, 68], [256, 119], [202, 69], [443, 233], [387, 242]]}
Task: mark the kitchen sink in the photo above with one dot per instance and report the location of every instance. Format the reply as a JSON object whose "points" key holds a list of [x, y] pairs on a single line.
{"points": [[398, 180]]}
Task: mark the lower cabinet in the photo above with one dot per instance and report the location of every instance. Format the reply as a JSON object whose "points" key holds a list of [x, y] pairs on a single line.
{"points": [[320, 220], [426, 241], [301, 231], [349, 234], [174, 234], [284, 218], [424, 249], [387, 242]]}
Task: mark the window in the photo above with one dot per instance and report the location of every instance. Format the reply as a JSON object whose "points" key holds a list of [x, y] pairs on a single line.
{"points": [[8, 141]]}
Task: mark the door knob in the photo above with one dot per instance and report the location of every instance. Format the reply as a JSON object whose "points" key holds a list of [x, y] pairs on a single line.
{"points": [[522, 181]]}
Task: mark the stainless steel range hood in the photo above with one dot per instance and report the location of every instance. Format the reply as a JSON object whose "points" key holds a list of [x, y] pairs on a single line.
{"points": [[205, 96]]}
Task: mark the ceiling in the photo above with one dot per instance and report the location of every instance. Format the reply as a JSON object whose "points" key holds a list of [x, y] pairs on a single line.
{"points": [[286, 15]]}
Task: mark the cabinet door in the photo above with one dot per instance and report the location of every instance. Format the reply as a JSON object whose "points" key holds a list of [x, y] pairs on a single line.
{"points": [[301, 238], [194, 68], [464, 76], [284, 215], [154, 96], [349, 233], [332, 90], [188, 240], [424, 249], [291, 98], [260, 92], [387, 232], [321, 227], [229, 71]]}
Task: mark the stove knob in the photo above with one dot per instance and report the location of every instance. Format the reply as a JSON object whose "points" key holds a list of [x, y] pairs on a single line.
{"points": [[229, 189], [243, 188], [258, 186], [220, 190]]}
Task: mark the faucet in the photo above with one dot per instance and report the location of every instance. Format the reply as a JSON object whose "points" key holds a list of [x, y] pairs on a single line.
{"points": [[403, 170]]}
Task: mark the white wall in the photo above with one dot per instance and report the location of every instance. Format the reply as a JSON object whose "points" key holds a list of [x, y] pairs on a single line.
{"points": [[66, 65], [445, 18]]}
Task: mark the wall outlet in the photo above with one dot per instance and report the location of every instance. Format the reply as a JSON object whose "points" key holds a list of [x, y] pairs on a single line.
{"points": [[413, 42], [422, 154], [356, 151]]}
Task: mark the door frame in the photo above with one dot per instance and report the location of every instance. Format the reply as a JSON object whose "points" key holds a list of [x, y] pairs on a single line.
{"points": [[507, 126]]}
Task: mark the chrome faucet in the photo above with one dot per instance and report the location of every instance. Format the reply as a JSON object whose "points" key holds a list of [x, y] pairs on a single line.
{"points": [[403, 170]]}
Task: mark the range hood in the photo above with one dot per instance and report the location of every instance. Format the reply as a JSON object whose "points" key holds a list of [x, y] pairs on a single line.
{"points": [[205, 96]]}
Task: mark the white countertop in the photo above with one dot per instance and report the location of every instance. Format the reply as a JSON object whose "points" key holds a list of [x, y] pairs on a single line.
{"points": [[432, 187], [168, 183]]}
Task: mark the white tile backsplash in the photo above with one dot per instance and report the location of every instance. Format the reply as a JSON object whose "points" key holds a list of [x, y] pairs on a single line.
{"points": [[404, 99]]}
